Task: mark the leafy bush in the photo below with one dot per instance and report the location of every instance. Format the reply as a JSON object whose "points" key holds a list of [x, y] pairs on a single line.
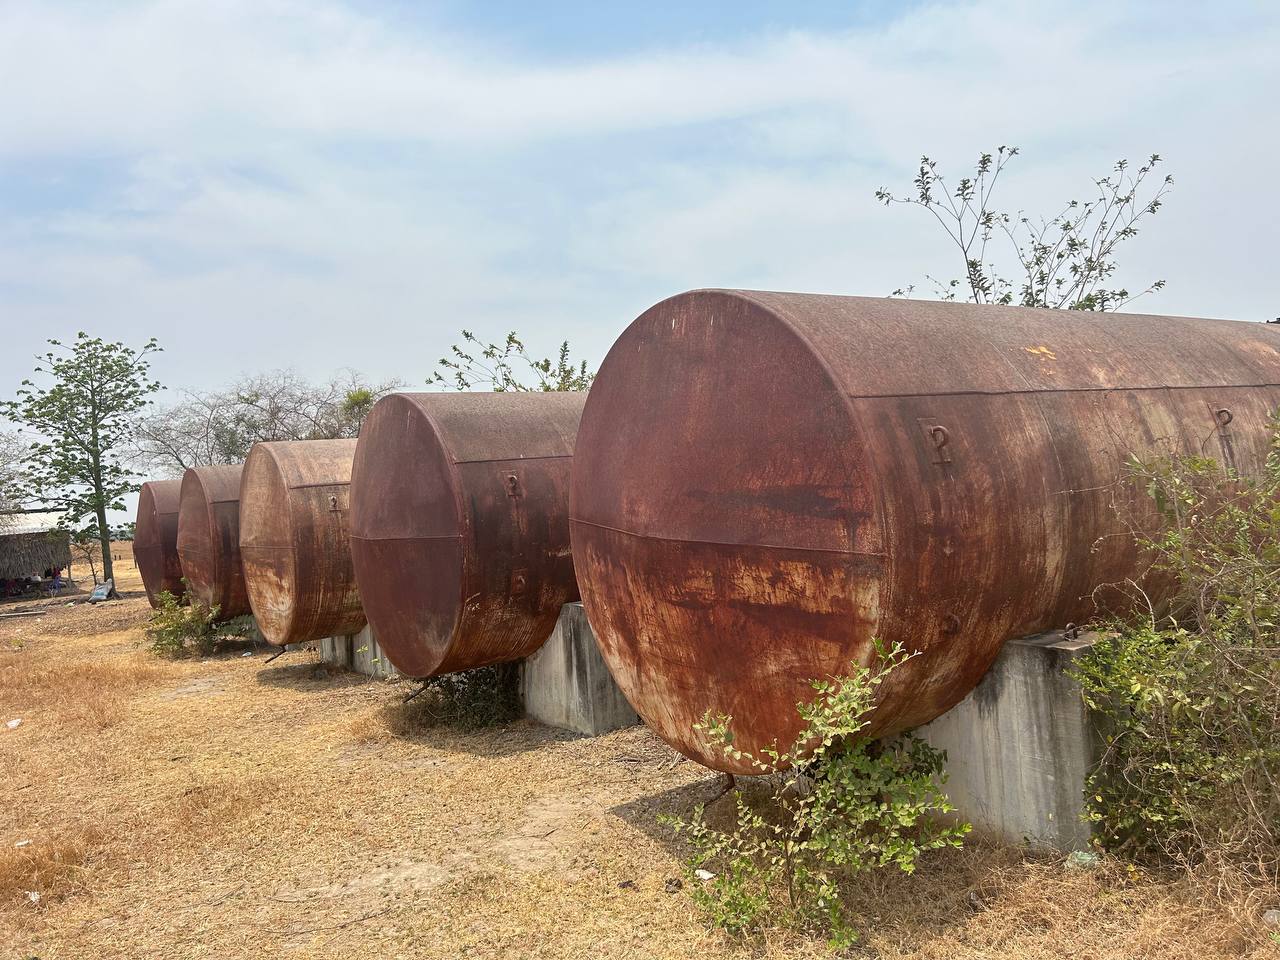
{"points": [[1189, 695], [473, 699], [179, 628], [840, 804]]}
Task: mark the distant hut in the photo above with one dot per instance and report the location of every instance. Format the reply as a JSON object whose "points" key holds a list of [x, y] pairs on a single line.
{"points": [[31, 544]]}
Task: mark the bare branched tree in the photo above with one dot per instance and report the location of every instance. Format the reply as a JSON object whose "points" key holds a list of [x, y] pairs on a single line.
{"points": [[220, 426], [1065, 262]]}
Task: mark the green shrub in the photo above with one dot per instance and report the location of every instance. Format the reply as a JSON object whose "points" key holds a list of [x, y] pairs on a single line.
{"points": [[1189, 694], [840, 804], [473, 699], [179, 628]]}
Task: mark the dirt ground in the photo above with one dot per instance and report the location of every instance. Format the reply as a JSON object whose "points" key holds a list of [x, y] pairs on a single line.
{"points": [[229, 808]]}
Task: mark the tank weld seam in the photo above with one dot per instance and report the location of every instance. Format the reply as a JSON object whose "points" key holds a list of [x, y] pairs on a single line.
{"points": [[549, 456], [1056, 390], [447, 536], [731, 543], [322, 483]]}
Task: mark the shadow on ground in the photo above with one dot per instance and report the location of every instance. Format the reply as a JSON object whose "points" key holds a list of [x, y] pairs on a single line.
{"points": [[305, 674]]}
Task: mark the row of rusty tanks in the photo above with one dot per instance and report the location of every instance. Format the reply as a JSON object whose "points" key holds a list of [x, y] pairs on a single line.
{"points": [[758, 487], [446, 526]]}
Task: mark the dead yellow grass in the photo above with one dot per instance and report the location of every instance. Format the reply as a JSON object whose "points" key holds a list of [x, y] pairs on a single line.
{"points": [[236, 809]]}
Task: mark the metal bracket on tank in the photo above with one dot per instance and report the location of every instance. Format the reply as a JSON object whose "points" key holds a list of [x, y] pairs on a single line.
{"points": [[519, 581], [1222, 418], [938, 437]]}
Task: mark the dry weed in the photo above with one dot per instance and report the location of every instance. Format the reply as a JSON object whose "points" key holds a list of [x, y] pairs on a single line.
{"points": [[92, 693], [48, 869]]}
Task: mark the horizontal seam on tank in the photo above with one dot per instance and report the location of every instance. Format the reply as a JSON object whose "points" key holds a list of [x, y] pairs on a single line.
{"points": [[549, 456], [309, 486], [450, 536], [1053, 390], [731, 543]]}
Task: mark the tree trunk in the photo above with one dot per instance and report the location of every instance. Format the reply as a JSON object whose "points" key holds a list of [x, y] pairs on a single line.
{"points": [[104, 537]]}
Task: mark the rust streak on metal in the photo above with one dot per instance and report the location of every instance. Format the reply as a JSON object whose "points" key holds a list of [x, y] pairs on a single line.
{"points": [[294, 540], [155, 539], [765, 482], [460, 525], [209, 538]]}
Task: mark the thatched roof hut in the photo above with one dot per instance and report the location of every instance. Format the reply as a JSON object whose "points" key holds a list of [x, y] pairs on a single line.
{"points": [[31, 543]]}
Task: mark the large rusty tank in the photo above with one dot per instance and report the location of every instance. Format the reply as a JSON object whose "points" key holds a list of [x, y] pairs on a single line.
{"points": [[209, 538], [294, 540], [155, 539], [460, 525], [765, 482]]}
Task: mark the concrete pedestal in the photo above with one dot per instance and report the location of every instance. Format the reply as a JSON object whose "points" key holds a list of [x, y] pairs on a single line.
{"points": [[1020, 746], [359, 653], [566, 683]]}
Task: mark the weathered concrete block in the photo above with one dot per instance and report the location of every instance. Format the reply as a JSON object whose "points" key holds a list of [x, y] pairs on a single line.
{"points": [[359, 653], [1020, 746], [566, 683], [337, 651]]}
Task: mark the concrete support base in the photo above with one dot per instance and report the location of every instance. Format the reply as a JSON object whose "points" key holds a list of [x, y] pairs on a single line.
{"points": [[1020, 746], [566, 683], [359, 653]]}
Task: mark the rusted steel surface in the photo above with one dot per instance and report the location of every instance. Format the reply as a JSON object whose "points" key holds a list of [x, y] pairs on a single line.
{"points": [[155, 539], [764, 482], [460, 525], [294, 498], [209, 538]]}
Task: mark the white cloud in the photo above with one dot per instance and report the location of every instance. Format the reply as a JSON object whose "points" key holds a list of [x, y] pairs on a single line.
{"points": [[307, 184]]}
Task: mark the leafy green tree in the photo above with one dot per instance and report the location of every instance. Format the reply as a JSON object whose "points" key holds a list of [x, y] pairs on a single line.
{"points": [[83, 420], [503, 367], [1065, 262]]}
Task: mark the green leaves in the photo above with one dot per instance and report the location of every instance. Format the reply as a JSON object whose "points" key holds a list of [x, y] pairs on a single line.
{"points": [[497, 366], [77, 426], [840, 804], [1190, 699], [1064, 261]]}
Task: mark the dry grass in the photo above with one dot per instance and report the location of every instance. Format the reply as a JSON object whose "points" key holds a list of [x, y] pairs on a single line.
{"points": [[235, 809]]}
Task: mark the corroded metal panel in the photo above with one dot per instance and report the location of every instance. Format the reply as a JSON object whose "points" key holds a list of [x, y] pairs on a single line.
{"points": [[209, 538], [460, 525], [294, 540], [765, 482], [155, 539]]}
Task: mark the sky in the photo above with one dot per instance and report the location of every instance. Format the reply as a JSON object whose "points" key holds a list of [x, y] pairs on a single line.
{"points": [[322, 185]]}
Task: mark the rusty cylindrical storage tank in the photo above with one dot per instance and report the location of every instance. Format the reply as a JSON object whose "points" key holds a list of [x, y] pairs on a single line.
{"points": [[155, 539], [765, 482], [209, 538], [460, 525], [294, 544]]}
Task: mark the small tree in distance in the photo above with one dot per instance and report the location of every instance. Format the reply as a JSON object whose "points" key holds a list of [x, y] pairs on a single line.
{"points": [[1063, 262], [499, 367], [82, 420]]}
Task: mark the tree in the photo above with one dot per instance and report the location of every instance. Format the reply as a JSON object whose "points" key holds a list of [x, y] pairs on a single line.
{"points": [[83, 421], [220, 426], [1063, 262], [475, 363], [10, 469]]}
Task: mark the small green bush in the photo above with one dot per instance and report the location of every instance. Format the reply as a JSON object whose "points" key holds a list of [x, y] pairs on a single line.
{"points": [[840, 804], [478, 698], [179, 628], [1189, 695]]}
